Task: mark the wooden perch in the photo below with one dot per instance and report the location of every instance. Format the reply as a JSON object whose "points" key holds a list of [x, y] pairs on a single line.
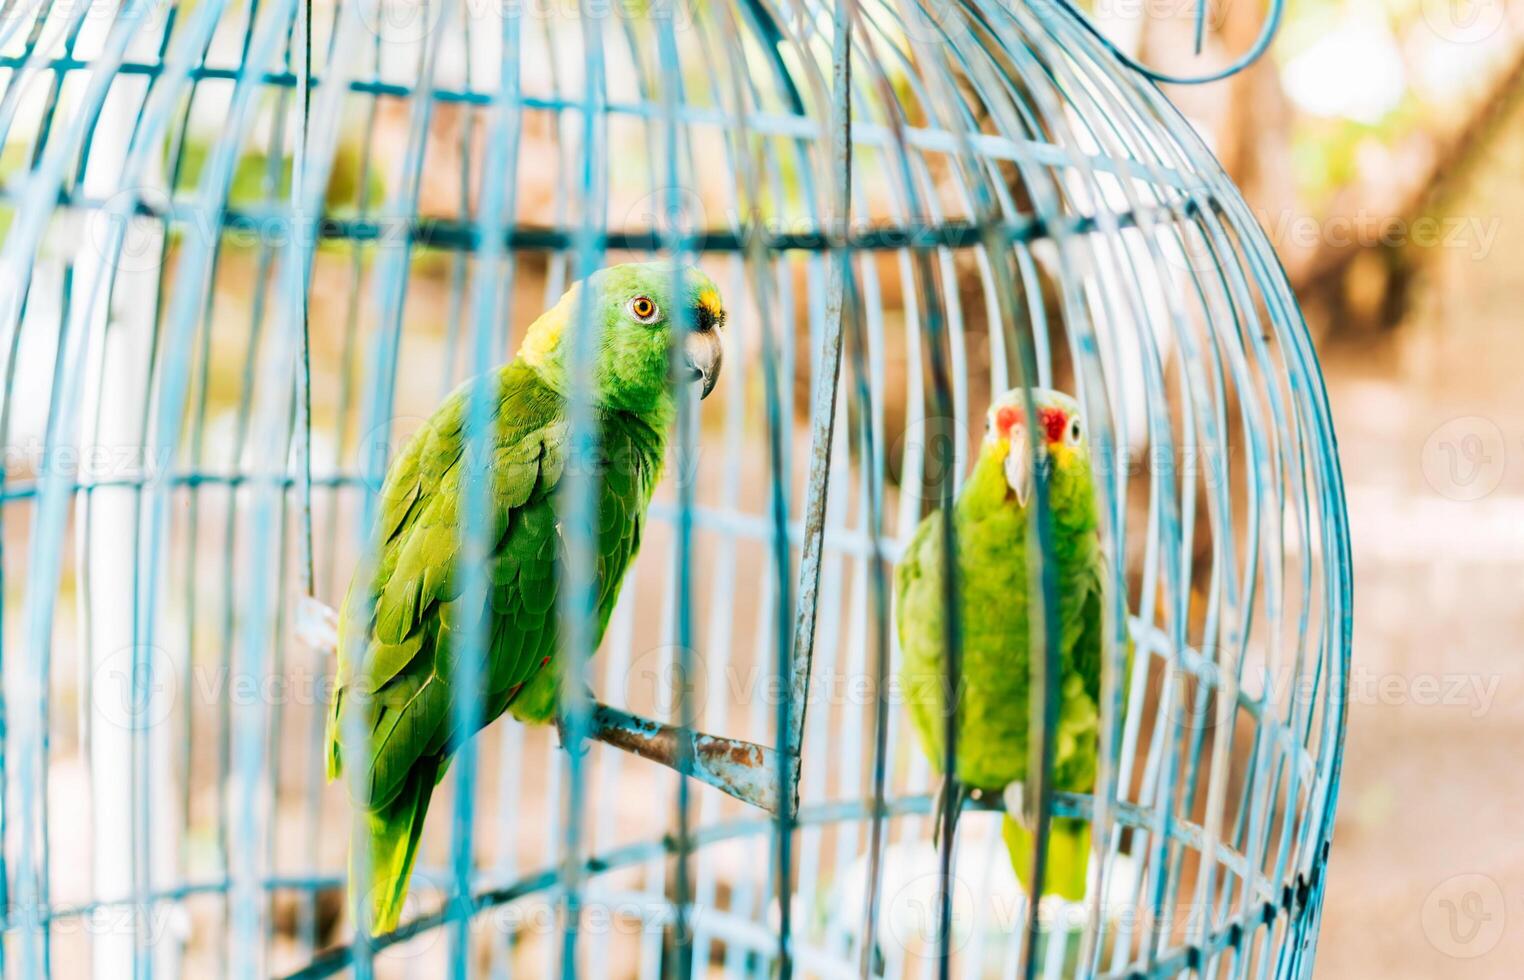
{"points": [[744, 770]]}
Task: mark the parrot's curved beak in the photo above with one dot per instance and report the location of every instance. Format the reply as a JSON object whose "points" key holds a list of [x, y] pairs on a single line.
{"points": [[1018, 465], [702, 354]]}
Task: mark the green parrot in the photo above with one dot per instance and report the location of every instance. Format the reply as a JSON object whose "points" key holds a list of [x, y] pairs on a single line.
{"points": [[991, 536], [399, 627]]}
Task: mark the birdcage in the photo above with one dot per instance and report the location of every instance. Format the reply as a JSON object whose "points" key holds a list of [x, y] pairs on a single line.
{"points": [[248, 247]]}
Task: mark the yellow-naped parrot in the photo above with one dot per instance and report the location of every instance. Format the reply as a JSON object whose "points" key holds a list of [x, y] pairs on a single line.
{"points": [[991, 535], [401, 627]]}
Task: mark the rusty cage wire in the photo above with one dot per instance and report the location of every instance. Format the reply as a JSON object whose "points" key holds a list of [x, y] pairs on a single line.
{"points": [[249, 246]]}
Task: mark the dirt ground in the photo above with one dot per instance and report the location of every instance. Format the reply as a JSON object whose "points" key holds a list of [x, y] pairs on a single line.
{"points": [[1427, 871]]}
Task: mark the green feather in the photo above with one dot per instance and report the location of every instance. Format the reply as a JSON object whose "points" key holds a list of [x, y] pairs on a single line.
{"points": [[399, 629], [990, 528]]}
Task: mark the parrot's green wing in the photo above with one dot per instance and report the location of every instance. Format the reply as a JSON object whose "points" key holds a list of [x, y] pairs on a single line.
{"points": [[412, 620], [405, 621], [1089, 648], [918, 616], [1075, 744], [1089, 643]]}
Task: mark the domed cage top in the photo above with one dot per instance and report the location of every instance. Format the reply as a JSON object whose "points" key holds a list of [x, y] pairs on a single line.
{"points": [[248, 247]]}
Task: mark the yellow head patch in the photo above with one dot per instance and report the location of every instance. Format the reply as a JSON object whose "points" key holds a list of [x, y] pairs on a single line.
{"points": [[544, 334], [710, 301]]}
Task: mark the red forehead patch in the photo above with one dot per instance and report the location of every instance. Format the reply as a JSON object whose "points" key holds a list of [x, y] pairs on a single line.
{"points": [[1005, 418], [1053, 420]]}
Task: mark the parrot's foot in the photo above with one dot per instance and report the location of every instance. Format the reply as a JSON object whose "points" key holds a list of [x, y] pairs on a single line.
{"points": [[317, 624], [950, 794], [1015, 797], [564, 733]]}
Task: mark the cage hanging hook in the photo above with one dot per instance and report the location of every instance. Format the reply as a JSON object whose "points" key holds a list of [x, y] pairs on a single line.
{"points": [[1261, 44]]}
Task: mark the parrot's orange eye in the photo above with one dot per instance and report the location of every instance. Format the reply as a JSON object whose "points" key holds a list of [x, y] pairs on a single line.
{"points": [[643, 309]]}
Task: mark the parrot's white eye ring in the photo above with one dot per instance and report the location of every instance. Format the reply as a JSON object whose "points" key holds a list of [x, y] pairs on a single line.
{"points": [[644, 309], [1073, 433]]}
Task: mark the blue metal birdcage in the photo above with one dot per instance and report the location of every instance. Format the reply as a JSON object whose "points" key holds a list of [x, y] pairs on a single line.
{"points": [[247, 247]]}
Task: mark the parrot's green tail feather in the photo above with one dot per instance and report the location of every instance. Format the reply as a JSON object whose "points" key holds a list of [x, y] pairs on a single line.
{"points": [[394, 833], [1068, 856], [335, 762]]}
